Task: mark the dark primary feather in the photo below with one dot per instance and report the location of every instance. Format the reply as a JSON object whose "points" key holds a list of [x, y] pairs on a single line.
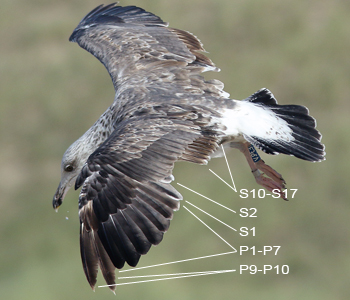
{"points": [[126, 201], [112, 14]]}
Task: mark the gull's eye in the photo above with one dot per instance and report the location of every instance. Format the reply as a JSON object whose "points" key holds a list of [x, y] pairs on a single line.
{"points": [[68, 168]]}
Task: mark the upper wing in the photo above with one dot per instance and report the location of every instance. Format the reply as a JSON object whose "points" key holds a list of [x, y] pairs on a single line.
{"points": [[126, 200], [138, 48]]}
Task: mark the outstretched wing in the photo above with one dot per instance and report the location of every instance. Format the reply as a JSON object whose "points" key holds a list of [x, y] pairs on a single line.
{"points": [[138, 49], [126, 201], [162, 114]]}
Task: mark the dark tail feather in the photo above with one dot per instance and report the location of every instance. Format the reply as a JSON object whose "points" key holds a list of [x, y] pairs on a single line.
{"points": [[307, 139]]}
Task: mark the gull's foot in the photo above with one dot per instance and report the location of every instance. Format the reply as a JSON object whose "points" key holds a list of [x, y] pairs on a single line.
{"points": [[274, 184], [273, 174], [273, 181]]}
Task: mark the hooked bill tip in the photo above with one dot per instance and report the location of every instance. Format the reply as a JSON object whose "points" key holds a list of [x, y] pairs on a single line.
{"points": [[56, 203]]}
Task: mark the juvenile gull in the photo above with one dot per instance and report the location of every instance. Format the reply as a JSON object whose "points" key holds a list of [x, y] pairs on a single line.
{"points": [[163, 112]]}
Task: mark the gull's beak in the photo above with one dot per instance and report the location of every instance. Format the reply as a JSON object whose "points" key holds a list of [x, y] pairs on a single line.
{"points": [[59, 195]]}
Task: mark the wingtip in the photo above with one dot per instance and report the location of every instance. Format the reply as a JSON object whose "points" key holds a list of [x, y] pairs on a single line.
{"points": [[112, 289]]}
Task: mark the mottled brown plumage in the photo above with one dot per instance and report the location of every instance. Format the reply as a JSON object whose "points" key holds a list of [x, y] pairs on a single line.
{"points": [[164, 111]]}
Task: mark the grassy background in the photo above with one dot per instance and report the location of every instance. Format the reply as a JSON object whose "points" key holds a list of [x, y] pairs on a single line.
{"points": [[52, 91]]}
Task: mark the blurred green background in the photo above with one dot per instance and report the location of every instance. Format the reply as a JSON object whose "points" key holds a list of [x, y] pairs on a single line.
{"points": [[52, 91]]}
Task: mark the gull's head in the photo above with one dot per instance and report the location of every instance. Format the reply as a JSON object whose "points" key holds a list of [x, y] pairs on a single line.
{"points": [[71, 165]]}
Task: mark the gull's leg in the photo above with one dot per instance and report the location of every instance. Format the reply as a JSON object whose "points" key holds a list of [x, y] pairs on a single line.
{"points": [[274, 181]]}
